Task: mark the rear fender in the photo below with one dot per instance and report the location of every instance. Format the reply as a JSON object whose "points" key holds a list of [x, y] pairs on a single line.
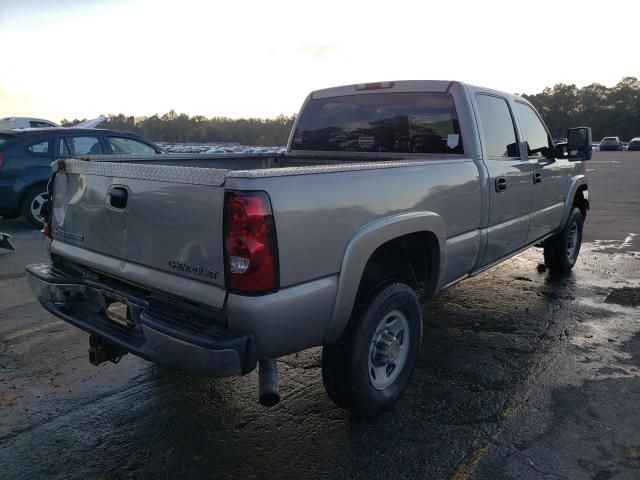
{"points": [[360, 248]]}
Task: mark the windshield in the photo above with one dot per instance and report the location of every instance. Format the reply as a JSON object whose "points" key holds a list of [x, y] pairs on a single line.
{"points": [[610, 139], [415, 122]]}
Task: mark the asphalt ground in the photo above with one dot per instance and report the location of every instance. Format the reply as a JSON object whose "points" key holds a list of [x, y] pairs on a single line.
{"points": [[522, 375]]}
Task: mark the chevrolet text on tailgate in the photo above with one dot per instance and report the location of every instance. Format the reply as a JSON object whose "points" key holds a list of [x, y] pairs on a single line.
{"points": [[215, 264]]}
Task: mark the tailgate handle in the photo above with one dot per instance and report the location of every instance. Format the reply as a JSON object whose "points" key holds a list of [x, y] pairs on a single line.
{"points": [[117, 197]]}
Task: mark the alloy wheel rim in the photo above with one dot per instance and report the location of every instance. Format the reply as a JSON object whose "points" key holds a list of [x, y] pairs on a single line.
{"points": [[36, 206]]}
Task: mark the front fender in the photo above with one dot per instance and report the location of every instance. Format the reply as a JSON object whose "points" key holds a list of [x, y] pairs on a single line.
{"points": [[575, 184], [360, 248]]}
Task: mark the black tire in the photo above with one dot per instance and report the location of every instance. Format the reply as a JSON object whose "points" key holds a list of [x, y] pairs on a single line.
{"points": [[561, 251], [346, 363], [28, 199]]}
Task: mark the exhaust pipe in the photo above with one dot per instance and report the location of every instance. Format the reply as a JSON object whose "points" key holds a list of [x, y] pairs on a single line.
{"points": [[269, 389]]}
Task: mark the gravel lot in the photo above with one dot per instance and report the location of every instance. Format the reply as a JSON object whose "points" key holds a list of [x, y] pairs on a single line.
{"points": [[522, 375]]}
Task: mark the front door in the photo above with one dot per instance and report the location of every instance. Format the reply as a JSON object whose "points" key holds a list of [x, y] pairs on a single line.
{"points": [[510, 182], [549, 175]]}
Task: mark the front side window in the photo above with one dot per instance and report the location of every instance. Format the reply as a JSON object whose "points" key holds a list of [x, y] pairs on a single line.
{"points": [[497, 125], [414, 122], [129, 146], [40, 148], [537, 139], [81, 145]]}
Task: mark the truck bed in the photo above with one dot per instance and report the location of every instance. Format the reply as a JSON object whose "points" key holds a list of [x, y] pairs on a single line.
{"points": [[225, 161]]}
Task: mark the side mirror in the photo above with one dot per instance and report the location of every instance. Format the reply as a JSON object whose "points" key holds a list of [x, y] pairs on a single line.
{"points": [[561, 150], [579, 143]]}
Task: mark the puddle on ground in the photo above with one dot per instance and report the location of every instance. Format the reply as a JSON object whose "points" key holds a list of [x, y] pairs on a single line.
{"points": [[625, 296]]}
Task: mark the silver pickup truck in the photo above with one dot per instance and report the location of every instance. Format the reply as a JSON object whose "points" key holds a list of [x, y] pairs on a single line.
{"points": [[217, 264]]}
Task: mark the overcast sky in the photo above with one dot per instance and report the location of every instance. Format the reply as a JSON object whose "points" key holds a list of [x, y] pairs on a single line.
{"points": [[80, 58]]}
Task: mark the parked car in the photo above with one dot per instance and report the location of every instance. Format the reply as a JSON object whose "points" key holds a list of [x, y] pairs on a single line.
{"points": [[25, 122], [385, 189], [610, 143], [26, 156], [634, 144], [624, 146]]}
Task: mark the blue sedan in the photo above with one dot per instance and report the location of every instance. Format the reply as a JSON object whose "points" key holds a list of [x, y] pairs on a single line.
{"points": [[26, 156]]}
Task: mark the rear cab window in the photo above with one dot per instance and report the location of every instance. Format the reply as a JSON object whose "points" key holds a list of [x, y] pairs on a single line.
{"points": [[395, 122], [128, 146]]}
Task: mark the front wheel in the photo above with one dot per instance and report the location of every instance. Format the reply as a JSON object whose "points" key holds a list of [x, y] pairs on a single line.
{"points": [[561, 251], [370, 365]]}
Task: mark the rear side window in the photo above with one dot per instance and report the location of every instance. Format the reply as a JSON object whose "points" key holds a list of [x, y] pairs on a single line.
{"points": [[537, 139], [40, 148], [129, 146], [497, 126], [80, 145], [415, 122]]}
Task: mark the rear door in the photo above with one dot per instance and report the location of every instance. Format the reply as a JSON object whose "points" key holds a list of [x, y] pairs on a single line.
{"points": [[549, 175], [509, 178]]}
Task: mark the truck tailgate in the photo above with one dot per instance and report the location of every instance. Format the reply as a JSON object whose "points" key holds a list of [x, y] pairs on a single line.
{"points": [[125, 216]]}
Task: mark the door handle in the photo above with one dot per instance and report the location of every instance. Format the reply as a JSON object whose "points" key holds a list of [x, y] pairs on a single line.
{"points": [[117, 197], [501, 184], [537, 177]]}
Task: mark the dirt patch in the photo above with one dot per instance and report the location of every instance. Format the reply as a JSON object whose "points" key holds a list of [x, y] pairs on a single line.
{"points": [[626, 296], [6, 400]]}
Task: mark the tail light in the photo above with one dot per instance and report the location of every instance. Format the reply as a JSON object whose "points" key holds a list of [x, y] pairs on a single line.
{"points": [[251, 256], [1, 160]]}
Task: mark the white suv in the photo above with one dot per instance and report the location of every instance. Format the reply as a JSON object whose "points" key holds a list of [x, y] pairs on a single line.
{"points": [[26, 122]]}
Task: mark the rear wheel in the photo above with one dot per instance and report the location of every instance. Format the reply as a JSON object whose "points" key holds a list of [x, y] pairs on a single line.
{"points": [[32, 203], [368, 368], [561, 251]]}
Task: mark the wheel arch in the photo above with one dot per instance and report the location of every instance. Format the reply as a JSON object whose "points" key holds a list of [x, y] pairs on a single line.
{"points": [[577, 196], [25, 190], [390, 232]]}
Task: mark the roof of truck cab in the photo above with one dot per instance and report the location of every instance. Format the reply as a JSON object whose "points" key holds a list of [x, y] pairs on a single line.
{"points": [[401, 86], [397, 86]]}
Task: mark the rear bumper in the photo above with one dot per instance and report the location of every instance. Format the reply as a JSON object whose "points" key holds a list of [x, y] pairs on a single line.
{"points": [[162, 331]]}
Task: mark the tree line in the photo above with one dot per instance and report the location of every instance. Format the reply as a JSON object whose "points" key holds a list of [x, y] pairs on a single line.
{"points": [[182, 128], [613, 111]]}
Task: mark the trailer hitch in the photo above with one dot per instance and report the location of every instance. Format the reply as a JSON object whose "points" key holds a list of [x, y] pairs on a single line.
{"points": [[101, 351]]}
